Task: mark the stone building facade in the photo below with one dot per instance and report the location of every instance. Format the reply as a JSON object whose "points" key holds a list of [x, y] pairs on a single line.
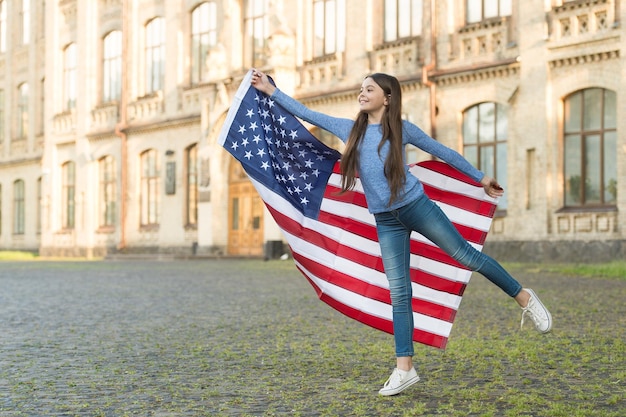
{"points": [[110, 112]]}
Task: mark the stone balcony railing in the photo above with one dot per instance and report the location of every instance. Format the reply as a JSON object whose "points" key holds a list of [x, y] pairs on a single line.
{"points": [[323, 71], [64, 123], [489, 40], [578, 21], [191, 99], [147, 107], [400, 57], [105, 117]]}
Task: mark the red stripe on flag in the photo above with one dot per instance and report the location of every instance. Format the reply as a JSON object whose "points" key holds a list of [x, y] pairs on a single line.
{"points": [[371, 261], [484, 208], [373, 292], [379, 323]]}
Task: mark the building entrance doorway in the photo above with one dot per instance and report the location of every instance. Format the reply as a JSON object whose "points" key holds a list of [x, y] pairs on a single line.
{"points": [[245, 214]]}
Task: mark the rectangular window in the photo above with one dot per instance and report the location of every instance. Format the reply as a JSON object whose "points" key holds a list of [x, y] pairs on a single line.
{"points": [[68, 172], [39, 205], [192, 185], [69, 77], [485, 128], [108, 200], [150, 185], [328, 27], [25, 22], [41, 114], [22, 111], [155, 55], [403, 19], [18, 207], [3, 26], [112, 67], [2, 124], [479, 10], [256, 32], [203, 38]]}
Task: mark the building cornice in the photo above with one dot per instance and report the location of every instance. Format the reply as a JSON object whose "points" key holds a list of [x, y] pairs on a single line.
{"points": [[583, 59], [478, 72], [147, 127]]}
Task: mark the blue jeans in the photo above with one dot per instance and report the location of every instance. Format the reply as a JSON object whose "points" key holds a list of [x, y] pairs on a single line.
{"points": [[425, 217]]}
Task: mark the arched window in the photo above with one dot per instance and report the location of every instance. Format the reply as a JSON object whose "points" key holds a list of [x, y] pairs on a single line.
{"points": [[203, 38], [68, 191], [150, 186], [19, 207], [107, 191], [590, 148], [112, 67], [155, 55], [485, 129]]}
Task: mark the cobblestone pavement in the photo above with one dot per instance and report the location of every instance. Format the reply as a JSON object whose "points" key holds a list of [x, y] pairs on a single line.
{"points": [[194, 338]]}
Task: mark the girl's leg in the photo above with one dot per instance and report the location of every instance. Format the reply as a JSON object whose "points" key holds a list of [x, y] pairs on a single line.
{"points": [[394, 240], [425, 217]]}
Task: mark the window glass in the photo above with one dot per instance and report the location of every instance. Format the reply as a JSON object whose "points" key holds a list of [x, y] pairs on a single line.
{"points": [[112, 67], [484, 141], [70, 63], [610, 168], [155, 55], [573, 170], [590, 148], [203, 38], [592, 169], [592, 110]]}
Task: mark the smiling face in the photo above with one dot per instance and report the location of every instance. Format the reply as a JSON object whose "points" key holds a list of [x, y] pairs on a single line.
{"points": [[372, 99]]}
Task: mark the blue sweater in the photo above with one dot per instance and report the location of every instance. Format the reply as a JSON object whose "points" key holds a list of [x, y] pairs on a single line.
{"points": [[372, 164]]}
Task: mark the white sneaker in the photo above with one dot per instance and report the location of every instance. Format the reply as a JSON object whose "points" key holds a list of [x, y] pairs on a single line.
{"points": [[399, 381], [537, 312]]}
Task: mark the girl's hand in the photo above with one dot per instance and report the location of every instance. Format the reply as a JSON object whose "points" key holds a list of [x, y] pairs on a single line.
{"points": [[491, 186], [261, 82]]}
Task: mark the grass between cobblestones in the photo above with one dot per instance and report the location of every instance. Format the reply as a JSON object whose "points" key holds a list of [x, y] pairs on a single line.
{"points": [[250, 338]]}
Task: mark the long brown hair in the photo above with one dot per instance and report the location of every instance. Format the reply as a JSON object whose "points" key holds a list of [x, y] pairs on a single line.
{"points": [[391, 126]]}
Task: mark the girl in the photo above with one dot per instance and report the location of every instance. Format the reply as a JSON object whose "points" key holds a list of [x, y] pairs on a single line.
{"points": [[374, 150]]}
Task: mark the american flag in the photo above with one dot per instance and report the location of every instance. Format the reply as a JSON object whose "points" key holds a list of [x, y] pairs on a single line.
{"points": [[332, 236]]}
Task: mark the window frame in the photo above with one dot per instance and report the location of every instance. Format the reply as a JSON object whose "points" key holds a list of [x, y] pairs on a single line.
{"points": [[154, 54], [203, 28], [68, 195], [331, 14], [70, 69], [255, 28], [112, 66], [471, 5], [107, 192], [415, 17], [3, 26], [2, 116], [150, 189], [22, 114], [585, 136], [191, 186], [25, 14], [496, 141], [19, 207]]}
